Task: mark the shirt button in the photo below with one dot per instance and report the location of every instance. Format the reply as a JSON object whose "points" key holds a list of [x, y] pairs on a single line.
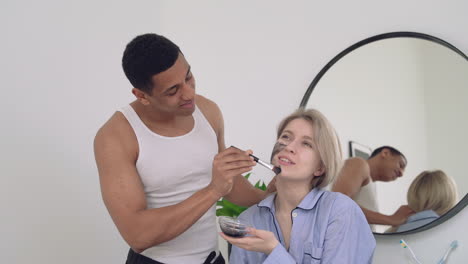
{"points": [[294, 214]]}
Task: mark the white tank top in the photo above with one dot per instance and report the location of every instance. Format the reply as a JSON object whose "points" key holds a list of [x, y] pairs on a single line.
{"points": [[367, 198], [172, 169]]}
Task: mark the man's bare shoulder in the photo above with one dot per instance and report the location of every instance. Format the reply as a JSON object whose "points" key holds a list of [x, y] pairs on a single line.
{"points": [[207, 106], [358, 166], [115, 124], [357, 162], [115, 131], [210, 110]]}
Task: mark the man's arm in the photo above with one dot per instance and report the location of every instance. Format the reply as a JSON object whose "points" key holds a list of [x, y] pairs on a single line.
{"points": [[243, 193], [116, 151], [355, 174], [398, 218]]}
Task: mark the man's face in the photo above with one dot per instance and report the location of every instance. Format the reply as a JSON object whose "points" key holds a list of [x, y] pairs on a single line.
{"points": [[393, 166], [174, 90]]}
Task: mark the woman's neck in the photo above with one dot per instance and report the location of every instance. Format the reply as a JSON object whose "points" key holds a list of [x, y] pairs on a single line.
{"points": [[289, 195]]}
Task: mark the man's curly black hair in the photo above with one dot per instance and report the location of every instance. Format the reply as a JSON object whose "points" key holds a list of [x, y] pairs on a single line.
{"points": [[145, 56]]}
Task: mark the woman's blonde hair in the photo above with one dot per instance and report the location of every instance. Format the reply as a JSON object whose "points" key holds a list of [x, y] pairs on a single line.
{"points": [[326, 140], [432, 190]]}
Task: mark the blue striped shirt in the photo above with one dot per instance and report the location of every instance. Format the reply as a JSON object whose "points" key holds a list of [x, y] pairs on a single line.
{"points": [[418, 219], [327, 227]]}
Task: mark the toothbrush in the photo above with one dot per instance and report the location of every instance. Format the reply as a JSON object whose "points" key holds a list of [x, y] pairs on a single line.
{"points": [[453, 246], [405, 245]]}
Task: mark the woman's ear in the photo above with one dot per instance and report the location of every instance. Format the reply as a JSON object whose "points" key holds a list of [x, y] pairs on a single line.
{"points": [[320, 171]]}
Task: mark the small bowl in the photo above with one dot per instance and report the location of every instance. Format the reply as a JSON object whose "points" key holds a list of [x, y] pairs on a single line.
{"points": [[232, 226]]}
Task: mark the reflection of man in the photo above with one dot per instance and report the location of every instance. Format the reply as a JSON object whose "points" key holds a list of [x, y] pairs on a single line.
{"points": [[357, 180], [158, 161]]}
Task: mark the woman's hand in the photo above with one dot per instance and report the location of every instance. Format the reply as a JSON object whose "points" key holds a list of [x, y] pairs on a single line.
{"points": [[257, 240]]}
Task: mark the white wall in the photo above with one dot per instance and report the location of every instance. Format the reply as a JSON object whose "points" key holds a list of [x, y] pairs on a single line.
{"points": [[62, 79]]}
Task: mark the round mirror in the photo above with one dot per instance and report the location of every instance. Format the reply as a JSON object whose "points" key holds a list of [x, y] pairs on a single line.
{"points": [[406, 90]]}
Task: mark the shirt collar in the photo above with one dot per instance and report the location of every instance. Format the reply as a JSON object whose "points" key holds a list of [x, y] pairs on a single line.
{"points": [[309, 201], [422, 215]]}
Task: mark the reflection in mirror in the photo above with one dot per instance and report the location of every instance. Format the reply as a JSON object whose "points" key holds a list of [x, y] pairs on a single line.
{"points": [[430, 195], [406, 90]]}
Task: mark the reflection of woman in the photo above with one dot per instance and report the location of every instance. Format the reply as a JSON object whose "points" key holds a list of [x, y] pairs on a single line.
{"points": [[303, 223], [430, 195]]}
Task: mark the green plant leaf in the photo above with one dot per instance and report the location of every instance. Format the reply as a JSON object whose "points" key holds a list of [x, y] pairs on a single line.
{"points": [[224, 211], [234, 207]]}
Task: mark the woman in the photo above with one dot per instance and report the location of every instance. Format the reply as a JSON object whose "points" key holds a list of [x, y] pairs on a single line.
{"points": [[430, 195], [302, 223]]}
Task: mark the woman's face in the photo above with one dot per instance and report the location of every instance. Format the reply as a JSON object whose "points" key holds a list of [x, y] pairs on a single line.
{"points": [[297, 153]]}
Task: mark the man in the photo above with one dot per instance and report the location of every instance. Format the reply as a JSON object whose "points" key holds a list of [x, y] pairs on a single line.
{"points": [[162, 160], [357, 180]]}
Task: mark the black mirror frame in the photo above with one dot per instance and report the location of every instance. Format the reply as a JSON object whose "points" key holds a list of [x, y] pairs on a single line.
{"points": [[400, 34]]}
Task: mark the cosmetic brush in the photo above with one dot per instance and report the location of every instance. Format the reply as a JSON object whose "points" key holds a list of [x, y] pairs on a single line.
{"points": [[452, 246], [275, 169], [404, 245]]}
